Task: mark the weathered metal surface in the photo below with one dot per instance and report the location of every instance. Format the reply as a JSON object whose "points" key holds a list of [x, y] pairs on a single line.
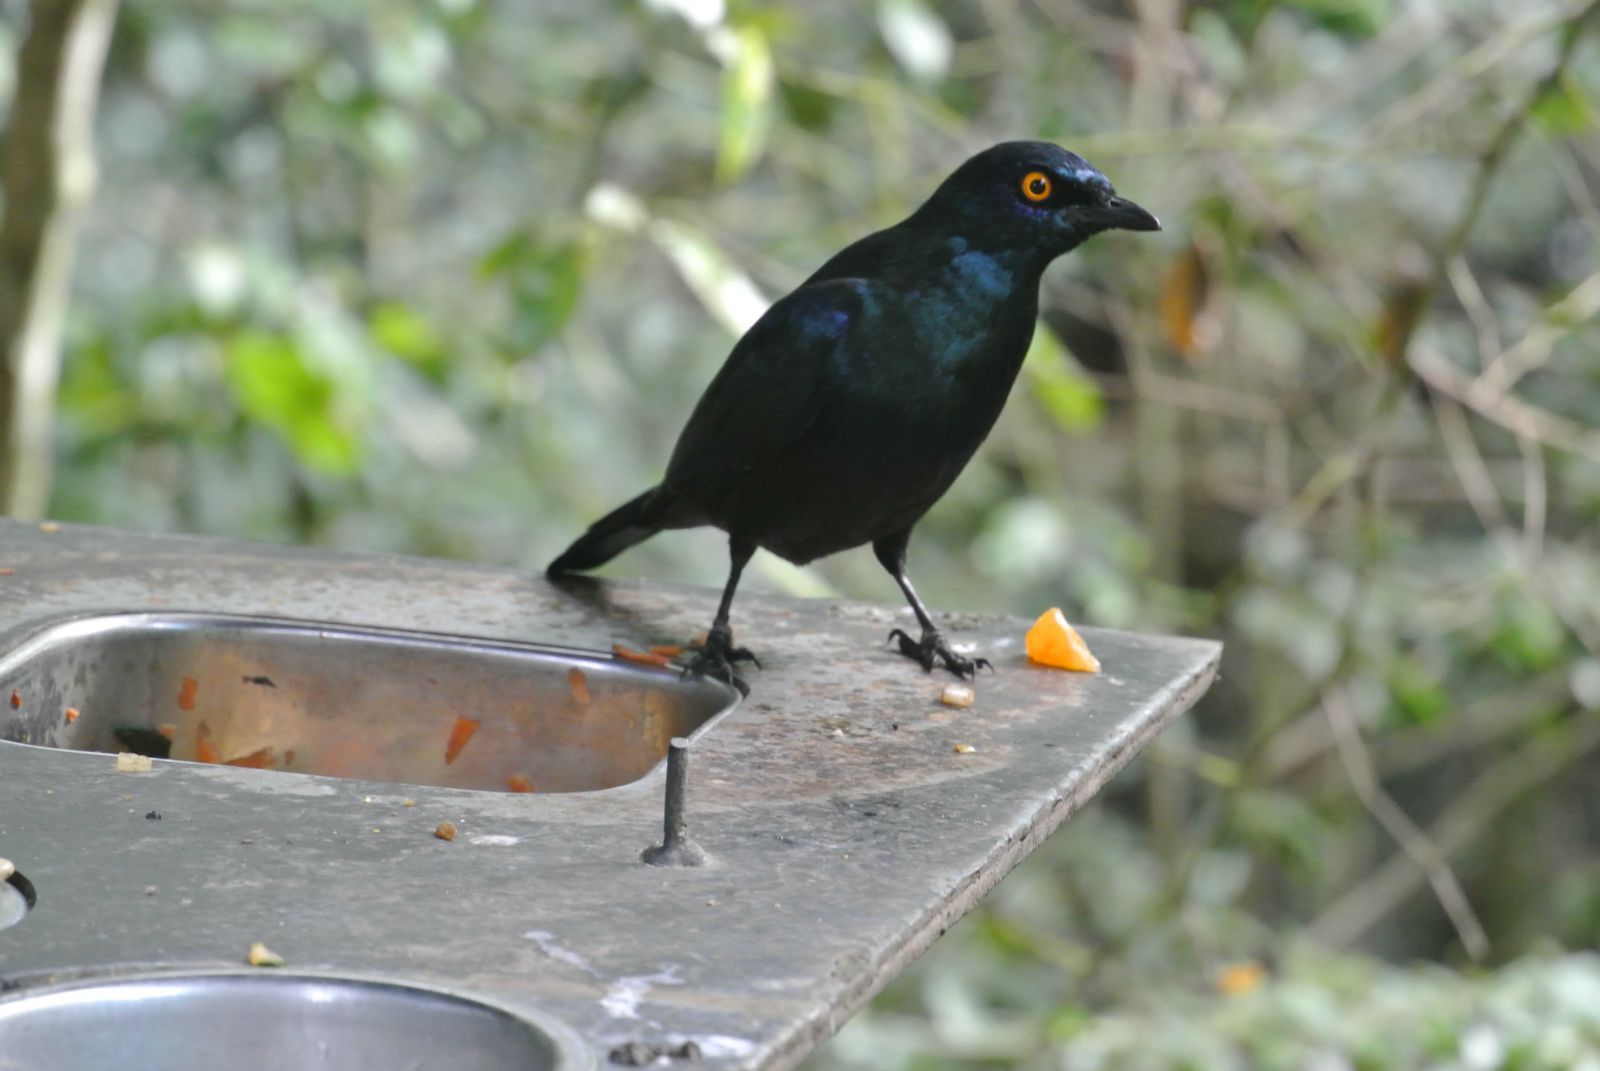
{"points": [[845, 832]]}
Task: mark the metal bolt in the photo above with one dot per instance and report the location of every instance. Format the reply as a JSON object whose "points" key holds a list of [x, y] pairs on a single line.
{"points": [[676, 849]]}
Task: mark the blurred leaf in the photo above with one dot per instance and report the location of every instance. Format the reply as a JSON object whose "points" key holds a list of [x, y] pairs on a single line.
{"points": [[1055, 380], [1403, 309], [1585, 682], [1185, 294], [747, 84], [917, 38], [1419, 696], [275, 387], [1283, 825], [407, 334], [93, 394], [1352, 18], [1527, 635], [720, 284], [808, 108], [546, 283], [1564, 110], [612, 93]]}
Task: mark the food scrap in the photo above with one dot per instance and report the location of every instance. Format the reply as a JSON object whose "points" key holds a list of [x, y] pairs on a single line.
{"points": [[72, 715], [963, 749], [6, 570], [167, 729], [187, 692], [16, 699], [957, 695], [667, 650], [518, 783], [262, 956], [128, 762], [445, 830], [579, 685], [258, 759], [643, 658], [49, 527], [460, 733], [203, 749], [7, 868], [1053, 642]]}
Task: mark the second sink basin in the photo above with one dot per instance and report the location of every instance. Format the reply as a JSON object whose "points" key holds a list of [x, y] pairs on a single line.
{"points": [[265, 1022], [343, 701]]}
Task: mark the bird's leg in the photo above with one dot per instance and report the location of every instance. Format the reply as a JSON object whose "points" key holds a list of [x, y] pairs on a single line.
{"points": [[931, 649], [716, 658]]}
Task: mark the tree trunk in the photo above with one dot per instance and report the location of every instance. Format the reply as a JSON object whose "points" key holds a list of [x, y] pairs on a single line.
{"points": [[47, 174]]}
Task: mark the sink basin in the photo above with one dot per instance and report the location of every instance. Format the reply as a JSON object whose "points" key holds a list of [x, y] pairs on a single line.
{"points": [[266, 1022], [343, 701]]}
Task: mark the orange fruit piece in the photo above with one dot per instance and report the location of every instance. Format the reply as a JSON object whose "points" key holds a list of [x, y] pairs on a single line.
{"points": [[259, 759], [1053, 642], [204, 750], [579, 685], [643, 658], [460, 733]]}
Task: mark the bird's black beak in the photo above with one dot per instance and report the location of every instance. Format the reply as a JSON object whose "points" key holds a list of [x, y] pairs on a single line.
{"points": [[1121, 214]]}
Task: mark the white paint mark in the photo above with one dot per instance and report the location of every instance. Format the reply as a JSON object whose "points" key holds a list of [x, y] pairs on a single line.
{"points": [[494, 840], [622, 999], [547, 944]]}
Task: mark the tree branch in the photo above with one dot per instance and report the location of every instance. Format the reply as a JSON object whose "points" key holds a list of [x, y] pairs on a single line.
{"points": [[48, 173]]}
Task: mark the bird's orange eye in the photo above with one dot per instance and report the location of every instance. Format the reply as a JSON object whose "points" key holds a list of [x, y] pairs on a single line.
{"points": [[1036, 186]]}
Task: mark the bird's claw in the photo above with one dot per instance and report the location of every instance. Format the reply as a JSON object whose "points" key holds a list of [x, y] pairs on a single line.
{"points": [[932, 649], [717, 657]]}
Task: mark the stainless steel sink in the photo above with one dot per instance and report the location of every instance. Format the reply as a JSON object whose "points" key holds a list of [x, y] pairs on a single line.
{"points": [[376, 704], [267, 1022]]}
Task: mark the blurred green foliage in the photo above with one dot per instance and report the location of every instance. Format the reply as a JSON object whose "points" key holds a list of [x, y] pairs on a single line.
{"points": [[446, 277]]}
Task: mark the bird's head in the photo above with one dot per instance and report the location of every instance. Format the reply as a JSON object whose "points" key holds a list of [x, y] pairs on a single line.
{"points": [[1031, 195]]}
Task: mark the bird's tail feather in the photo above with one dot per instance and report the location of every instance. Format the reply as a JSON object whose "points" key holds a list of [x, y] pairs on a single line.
{"points": [[632, 522]]}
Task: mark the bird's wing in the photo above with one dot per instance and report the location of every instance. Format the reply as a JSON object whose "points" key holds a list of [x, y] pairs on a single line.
{"points": [[770, 389]]}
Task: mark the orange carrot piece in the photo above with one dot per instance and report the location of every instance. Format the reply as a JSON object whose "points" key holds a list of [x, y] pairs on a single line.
{"points": [[643, 658], [258, 759], [186, 694], [460, 733], [16, 699], [72, 715], [517, 783], [203, 750], [167, 729], [579, 685], [667, 650]]}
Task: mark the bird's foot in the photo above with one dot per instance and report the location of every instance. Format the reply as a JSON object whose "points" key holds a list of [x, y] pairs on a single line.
{"points": [[932, 650], [717, 656]]}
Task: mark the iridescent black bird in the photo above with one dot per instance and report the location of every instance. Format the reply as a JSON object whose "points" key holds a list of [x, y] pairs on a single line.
{"points": [[853, 404]]}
